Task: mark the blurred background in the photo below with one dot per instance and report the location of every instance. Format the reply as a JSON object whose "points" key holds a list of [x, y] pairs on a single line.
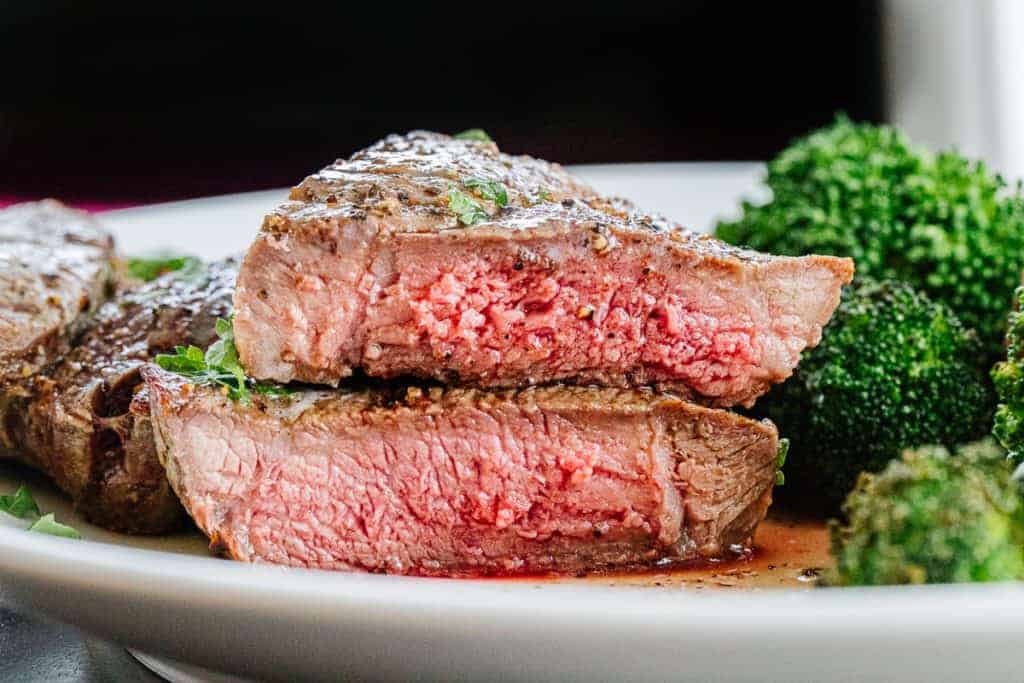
{"points": [[129, 102]]}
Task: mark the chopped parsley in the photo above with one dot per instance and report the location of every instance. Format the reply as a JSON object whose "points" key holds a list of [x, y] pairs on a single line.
{"points": [[541, 195], [151, 267], [48, 525], [488, 189], [780, 460], [218, 366], [468, 210], [21, 504], [477, 134]]}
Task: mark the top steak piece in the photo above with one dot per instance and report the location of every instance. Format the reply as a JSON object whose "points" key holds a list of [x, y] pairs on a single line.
{"points": [[72, 421], [55, 270], [368, 268], [451, 482]]}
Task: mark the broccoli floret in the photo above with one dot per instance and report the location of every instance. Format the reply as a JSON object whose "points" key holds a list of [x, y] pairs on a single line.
{"points": [[932, 518], [894, 370], [945, 224], [1008, 377]]}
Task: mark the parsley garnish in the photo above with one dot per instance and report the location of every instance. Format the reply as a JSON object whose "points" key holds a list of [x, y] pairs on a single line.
{"points": [[268, 389], [48, 525], [190, 361], [488, 189], [21, 504], [780, 460], [218, 366], [477, 134], [151, 267], [541, 196], [468, 210]]}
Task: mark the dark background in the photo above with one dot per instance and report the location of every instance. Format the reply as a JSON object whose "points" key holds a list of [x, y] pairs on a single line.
{"points": [[146, 101]]}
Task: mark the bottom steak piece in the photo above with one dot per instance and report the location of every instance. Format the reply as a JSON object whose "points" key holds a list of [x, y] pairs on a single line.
{"points": [[452, 482]]}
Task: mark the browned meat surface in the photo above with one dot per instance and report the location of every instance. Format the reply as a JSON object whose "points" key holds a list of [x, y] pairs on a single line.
{"points": [[54, 271], [73, 423], [368, 267], [451, 482]]}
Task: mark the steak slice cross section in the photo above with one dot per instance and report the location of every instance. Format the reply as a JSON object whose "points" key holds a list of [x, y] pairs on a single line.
{"points": [[452, 482], [367, 267], [55, 270], [72, 421]]}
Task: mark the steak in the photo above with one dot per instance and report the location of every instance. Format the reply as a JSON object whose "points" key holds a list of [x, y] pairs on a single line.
{"points": [[55, 270], [73, 423], [367, 267], [456, 481]]}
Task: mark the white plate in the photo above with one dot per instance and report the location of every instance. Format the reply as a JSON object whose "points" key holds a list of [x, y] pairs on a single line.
{"points": [[167, 596]]}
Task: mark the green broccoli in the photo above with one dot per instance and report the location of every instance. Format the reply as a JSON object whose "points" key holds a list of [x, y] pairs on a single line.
{"points": [[894, 370], [1008, 377], [945, 224], [932, 518]]}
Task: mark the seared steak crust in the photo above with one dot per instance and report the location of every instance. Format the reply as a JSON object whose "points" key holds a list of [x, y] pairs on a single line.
{"points": [[410, 175], [73, 423], [448, 482], [368, 268], [55, 270]]}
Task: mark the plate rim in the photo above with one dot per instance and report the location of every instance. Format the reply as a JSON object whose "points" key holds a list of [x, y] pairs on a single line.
{"points": [[94, 566]]}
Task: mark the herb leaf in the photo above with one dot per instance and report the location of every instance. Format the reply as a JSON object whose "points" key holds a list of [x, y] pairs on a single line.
{"points": [[224, 354], [22, 504], [272, 389], [780, 460], [488, 189], [183, 361], [783, 452], [225, 328], [151, 267], [541, 196], [478, 134], [19, 504], [48, 525], [219, 366], [468, 210]]}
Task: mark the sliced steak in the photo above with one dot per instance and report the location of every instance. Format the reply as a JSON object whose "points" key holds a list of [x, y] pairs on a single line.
{"points": [[461, 481], [366, 267], [73, 423], [55, 270]]}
